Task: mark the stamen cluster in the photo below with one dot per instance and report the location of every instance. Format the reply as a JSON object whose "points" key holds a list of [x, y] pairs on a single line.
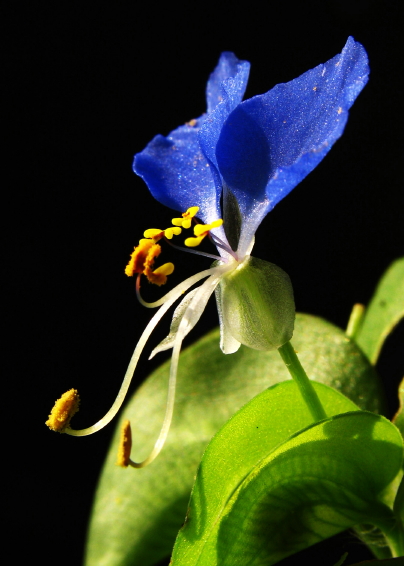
{"points": [[144, 254]]}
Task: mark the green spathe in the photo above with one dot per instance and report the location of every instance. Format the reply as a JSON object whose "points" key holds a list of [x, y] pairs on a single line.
{"points": [[257, 305]]}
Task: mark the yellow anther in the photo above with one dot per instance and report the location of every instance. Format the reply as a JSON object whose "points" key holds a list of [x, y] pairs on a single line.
{"points": [[63, 410], [125, 445], [186, 220], [159, 275], [170, 232], [142, 261], [178, 222], [201, 231], [154, 251], [139, 256], [193, 242], [191, 211], [154, 234]]}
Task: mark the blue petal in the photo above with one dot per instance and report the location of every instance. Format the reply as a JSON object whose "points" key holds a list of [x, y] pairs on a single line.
{"points": [[269, 143], [229, 95], [228, 67], [177, 173], [174, 168]]}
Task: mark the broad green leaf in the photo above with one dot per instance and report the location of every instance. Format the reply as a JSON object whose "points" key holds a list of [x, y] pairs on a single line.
{"points": [[384, 311], [320, 481], [137, 513], [265, 422]]}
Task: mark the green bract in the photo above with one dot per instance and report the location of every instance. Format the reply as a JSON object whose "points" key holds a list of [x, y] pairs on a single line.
{"points": [[257, 305]]}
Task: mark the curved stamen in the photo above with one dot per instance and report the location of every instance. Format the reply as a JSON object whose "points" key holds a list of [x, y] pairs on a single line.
{"points": [[178, 290], [167, 301], [191, 317], [128, 376]]}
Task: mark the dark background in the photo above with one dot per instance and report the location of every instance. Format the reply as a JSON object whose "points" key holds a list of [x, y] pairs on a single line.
{"points": [[86, 90]]}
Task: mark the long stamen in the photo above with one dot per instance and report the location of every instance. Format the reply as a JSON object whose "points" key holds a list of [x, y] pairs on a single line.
{"points": [[177, 291], [196, 306], [166, 302], [142, 260], [128, 376]]}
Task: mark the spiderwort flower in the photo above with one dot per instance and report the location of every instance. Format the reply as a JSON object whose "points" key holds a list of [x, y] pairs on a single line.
{"points": [[248, 155], [251, 154]]}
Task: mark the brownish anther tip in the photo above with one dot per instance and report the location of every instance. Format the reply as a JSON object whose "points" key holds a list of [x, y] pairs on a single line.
{"points": [[125, 445]]}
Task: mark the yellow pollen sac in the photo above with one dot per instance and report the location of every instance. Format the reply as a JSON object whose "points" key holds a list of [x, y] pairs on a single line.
{"points": [[170, 232], [159, 275], [201, 231], [193, 242], [154, 234], [63, 410], [125, 445], [186, 220]]}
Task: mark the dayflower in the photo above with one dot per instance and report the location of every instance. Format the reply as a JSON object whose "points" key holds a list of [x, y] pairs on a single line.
{"points": [[248, 156]]}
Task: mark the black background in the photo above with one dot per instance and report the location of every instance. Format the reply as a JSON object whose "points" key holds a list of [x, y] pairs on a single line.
{"points": [[85, 90]]}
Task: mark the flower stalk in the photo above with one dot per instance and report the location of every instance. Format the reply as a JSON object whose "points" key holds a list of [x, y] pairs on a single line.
{"points": [[304, 384]]}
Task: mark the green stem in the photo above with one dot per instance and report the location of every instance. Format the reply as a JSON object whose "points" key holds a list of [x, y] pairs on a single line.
{"points": [[355, 321], [396, 542], [394, 537], [304, 384]]}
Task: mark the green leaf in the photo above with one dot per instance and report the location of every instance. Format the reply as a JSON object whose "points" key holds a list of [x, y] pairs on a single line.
{"points": [[399, 503], [137, 513], [398, 418], [385, 310], [255, 504]]}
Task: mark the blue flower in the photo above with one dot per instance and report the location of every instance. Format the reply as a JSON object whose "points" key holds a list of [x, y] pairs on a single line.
{"points": [[247, 155], [259, 149]]}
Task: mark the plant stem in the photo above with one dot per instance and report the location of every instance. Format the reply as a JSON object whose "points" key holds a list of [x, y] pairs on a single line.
{"points": [[355, 321], [304, 384], [394, 537]]}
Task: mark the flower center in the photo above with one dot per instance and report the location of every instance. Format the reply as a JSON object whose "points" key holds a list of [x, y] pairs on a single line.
{"points": [[143, 256]]}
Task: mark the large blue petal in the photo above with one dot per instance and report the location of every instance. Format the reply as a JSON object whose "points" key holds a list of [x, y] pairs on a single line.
{"points": [[174, 168], [270, 142]]}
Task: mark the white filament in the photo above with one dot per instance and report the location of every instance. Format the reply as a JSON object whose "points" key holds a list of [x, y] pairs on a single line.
{"points": [[188, 321], [167, 301]]}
